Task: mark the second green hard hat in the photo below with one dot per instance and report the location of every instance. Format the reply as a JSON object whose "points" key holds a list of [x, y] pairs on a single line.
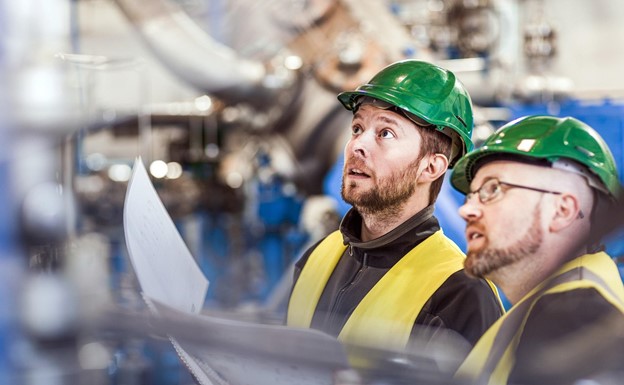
{"points": [[546, 138]]}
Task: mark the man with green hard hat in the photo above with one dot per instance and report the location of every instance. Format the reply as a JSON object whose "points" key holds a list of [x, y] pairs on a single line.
{"points": [[535, 191], [389, 271]]}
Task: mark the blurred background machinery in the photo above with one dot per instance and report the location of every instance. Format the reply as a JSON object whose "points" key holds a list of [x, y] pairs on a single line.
{"points": [[232, 106]]}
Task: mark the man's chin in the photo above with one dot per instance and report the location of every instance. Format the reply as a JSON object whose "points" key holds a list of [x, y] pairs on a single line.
{"points": [[473, 273], [348, 194], [474, 265], [348, 199], [352, 198]]}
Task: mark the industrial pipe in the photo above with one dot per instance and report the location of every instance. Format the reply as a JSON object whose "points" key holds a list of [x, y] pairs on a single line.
{"points": [[191, 54]]}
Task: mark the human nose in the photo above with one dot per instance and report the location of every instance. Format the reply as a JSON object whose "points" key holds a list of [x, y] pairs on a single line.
{"points": [[471, 209], [360, 144]]}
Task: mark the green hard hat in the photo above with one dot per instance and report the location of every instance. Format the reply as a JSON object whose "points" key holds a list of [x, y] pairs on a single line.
{"points": [[427, 91], [545, 138]]}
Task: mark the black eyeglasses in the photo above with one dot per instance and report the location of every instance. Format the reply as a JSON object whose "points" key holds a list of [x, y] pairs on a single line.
{"points": [[492, 189]]}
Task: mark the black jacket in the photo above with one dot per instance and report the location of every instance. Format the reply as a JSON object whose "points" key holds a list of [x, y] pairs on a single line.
{"points": [[462, 304], [563, 341]]}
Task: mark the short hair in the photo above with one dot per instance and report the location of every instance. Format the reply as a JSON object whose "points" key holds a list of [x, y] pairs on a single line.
{"points": [[434, 142]]}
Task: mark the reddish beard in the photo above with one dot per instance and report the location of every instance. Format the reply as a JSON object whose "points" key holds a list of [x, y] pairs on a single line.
{"points": [[387, 195], [485, 260]]}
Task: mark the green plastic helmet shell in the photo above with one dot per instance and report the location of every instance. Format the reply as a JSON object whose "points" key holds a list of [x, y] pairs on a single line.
{"points": [[432, 93], [545, 138]]}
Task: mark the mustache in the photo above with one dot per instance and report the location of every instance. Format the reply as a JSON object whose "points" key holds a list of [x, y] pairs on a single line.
{"points": [[473, 224], [355, 162]]}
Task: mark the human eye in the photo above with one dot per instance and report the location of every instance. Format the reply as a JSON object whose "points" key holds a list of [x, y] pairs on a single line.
{"points": [[356, 129], [489, 190], [386, 134]]}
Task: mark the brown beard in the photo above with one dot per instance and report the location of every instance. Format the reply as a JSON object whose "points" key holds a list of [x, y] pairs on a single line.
{"points": [[388, 196], [480, 263]]}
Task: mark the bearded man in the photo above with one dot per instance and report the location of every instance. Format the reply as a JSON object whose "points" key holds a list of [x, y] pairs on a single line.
{"points": [[536, 192], [389, 271]]}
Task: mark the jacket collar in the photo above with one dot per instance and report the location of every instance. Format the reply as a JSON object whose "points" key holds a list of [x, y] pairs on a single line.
{"points": [[352, 223]]}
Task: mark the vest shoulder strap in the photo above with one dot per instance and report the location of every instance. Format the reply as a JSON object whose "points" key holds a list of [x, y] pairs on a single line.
{"points": [[314, 276], [511, 324]]}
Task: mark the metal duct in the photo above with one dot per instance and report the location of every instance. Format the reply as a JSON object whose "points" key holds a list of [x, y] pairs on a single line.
{"points": [[190, 53]]}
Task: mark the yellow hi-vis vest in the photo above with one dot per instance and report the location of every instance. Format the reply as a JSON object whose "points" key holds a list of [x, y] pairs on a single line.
{"points": [[491, 360], [385, 316]]}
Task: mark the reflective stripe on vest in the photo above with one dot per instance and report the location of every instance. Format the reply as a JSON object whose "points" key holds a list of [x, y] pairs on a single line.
{"points": [[386, 315], [491, 360]]}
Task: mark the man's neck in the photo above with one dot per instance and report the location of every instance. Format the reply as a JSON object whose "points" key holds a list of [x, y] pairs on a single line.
{"points": [[375, 225], [517, 280], [514, 283]]}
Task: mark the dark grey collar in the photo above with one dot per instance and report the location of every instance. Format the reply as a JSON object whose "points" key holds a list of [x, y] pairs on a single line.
{"points": [[351, 225]]}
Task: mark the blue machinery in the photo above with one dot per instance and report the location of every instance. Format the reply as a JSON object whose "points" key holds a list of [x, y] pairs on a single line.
{"points": [[267, 242]]}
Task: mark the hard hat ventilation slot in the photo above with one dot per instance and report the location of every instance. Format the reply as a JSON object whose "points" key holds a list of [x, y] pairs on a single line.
{"points": [[585, 151], [461, 120]]}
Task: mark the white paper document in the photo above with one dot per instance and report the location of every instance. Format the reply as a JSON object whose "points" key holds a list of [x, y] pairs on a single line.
{"points": [[216, 351], [165, 268]]}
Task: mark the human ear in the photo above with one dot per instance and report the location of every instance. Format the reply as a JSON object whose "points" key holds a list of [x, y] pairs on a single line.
{"points": [[567, 209], [435, 166]]}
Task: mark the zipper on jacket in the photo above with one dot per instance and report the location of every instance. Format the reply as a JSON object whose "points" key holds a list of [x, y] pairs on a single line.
{"points": [[341, 292]]}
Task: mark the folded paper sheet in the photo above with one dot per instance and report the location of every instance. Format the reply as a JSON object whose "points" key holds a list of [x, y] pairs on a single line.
{"points": [[166, 270], [216, 351]]}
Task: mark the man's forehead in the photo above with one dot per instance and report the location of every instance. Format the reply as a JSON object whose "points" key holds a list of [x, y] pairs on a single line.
{"points": [[369, 108], [387, 116], [502, 169]]}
